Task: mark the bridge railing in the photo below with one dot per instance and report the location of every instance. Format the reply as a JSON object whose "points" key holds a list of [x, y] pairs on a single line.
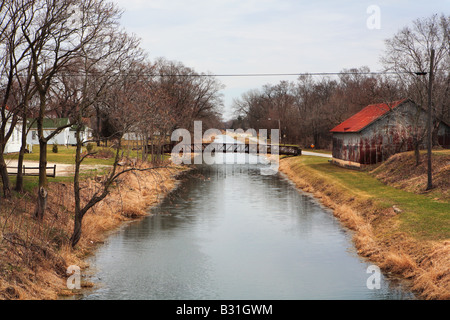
{"points": [[237, 148]]}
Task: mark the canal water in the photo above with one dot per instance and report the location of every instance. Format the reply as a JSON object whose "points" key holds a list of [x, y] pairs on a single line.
{"points": [[230, 232]]}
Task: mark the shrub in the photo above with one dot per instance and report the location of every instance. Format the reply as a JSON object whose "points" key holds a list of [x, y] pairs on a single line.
{"points": [[55, 148], [90, 147], [105, 153]]}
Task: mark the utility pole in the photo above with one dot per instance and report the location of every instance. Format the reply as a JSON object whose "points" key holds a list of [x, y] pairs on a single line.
{"points": [[430, 121], [279, 130], [279, 126]]}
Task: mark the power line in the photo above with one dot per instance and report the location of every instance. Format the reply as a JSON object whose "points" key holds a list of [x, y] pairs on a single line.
{"points": [[263, 74], [305, 74]]}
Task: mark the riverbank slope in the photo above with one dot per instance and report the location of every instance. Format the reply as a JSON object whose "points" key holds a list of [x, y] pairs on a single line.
{"points": [[402, 232], [35, 256]]}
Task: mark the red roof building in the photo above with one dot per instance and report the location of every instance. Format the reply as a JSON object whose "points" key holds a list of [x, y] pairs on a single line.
{"points": [[366, 116], [380, 130]]}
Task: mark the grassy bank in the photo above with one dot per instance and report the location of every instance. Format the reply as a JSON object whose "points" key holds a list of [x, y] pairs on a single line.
{"points": [[34, 256], [403, 232], [400, 171]]}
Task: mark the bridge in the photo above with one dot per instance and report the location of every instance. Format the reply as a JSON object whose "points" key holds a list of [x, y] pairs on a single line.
{"points": [[227, 147]]}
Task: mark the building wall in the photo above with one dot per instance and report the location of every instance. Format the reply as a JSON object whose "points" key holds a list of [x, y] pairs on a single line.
{"points": [[61, 138], [346, 146], [132, 136], [15, 141], [390, 134], [85, 135], [443, 136]]}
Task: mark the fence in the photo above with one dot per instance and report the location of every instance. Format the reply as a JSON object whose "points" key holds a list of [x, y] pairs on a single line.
{"points": [[33, 171]]}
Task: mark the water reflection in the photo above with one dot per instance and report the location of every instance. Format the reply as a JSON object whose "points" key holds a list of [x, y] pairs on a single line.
{"points": [[235, 234]]}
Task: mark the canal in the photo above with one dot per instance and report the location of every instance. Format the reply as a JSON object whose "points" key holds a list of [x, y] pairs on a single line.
{"points": [[229, 232]]}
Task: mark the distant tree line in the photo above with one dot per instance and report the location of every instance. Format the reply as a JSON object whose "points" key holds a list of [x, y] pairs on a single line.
{"points": [[306, 110]]}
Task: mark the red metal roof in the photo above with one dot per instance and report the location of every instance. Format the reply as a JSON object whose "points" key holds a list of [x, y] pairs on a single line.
{"points": [[366, 116]]}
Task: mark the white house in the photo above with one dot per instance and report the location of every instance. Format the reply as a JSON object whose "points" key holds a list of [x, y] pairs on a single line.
{"points": [[132, 136], [15, 141], [49, 126]]}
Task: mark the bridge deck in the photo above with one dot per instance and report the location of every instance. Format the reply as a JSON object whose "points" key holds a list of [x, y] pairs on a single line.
{"points": [[237, 148]]}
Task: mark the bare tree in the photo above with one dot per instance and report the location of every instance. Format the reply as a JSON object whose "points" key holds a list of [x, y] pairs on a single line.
{"points": [[120, 104], [408, 54], [25, 93], [13, 51], [59, 33], [102, 66], [192, 96]]}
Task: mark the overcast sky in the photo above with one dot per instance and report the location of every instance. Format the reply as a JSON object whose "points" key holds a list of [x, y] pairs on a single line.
{"points": [[270, 36]]}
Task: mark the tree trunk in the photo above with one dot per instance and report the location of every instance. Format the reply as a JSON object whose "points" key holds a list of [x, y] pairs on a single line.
{"points": [[417, 152], [429, 125], [79, 211], [316, 140], [19, 178], [41, 205], [76, 191], [152, 141], [5, 177], [98, 126], [145, 148], [76, 235]]}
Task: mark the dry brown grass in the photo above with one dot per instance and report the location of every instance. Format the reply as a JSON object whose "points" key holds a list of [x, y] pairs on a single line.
{"points": [[399, 262], [377, 236], [35, 256], [400, 171], [434, 280]]}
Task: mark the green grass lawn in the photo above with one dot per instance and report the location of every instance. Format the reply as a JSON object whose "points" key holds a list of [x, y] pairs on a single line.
{"points": [[421, 216], [31, 183], [66, 155]]}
